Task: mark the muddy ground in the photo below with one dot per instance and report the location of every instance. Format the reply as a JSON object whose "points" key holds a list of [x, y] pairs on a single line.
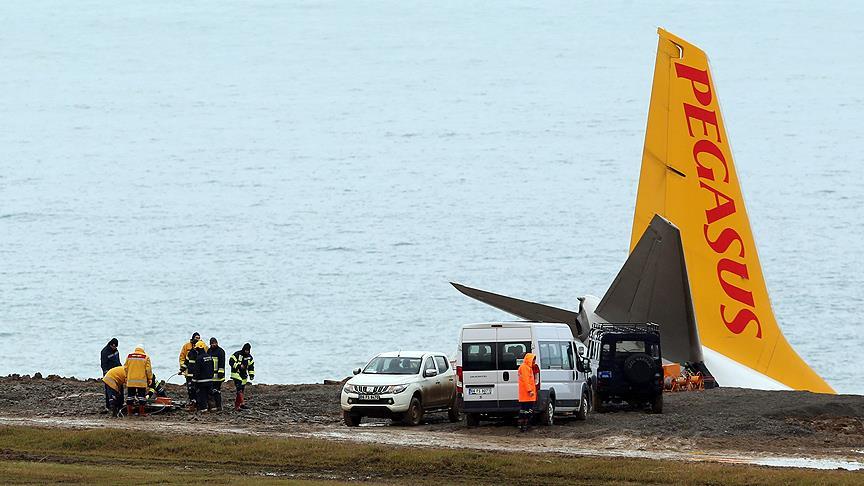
{"points": [[721, 419]]}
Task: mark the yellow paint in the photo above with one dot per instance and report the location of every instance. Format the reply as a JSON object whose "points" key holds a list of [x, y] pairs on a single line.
{"points": [[681, 119]]}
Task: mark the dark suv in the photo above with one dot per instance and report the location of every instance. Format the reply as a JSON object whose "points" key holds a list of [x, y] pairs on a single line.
{"points": [[628, 364]]}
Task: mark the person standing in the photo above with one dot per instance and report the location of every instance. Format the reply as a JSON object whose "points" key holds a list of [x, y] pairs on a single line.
{"points": [[242, 371], [190, 365], [110, 356], [184, 351], [110, 359], [218, 355], [139, 372], [205, 371], [527, 391], [115, 380]]}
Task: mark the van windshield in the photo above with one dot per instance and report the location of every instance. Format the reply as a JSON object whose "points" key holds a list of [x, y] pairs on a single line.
{"points": [[393, 365]]}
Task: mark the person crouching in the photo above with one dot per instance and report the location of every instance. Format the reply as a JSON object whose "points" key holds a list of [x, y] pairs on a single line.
{"points": [[115, 380], [527, 391]]}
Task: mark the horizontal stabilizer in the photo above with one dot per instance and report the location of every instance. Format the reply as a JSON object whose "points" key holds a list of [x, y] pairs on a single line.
{"points": [[531, 311], [652, 286]]}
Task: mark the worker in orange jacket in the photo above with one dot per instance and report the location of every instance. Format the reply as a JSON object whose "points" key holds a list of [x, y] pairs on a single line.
{"points": [[527, 390], [139, 372], [184, 370]]}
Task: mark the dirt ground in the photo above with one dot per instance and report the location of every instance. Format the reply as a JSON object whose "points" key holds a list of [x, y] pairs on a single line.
{"points": [[723, 419]]}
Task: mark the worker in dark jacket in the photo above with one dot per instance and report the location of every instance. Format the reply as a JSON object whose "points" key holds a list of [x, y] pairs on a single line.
{"points": [[205, 371], [110, 356], [190, 366], [110, 359], [218, 355], [242, 370]]}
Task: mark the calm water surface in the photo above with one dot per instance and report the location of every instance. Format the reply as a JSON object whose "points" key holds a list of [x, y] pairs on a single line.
{"points": [[309, 176]]}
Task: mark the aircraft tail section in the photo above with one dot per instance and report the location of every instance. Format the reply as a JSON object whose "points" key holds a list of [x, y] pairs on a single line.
{"points": [[652, 286], [688, 177]]}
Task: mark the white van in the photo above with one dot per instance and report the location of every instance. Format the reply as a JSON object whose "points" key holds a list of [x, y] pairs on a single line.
{"points": [[489, 356]]}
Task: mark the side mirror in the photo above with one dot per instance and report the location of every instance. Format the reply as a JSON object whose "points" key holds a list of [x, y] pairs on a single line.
{"points": [[586, 364], [357, 371], [580, 365], [430, 373]]}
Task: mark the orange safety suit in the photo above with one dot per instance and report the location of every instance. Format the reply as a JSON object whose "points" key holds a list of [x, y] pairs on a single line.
{"points": [[139, 372], [527, 382]]}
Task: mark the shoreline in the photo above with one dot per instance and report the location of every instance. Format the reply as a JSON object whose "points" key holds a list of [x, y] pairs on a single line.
{"points": [[720, 425]]}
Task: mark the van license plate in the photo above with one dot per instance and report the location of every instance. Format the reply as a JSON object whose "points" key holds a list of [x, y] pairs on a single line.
{"points": [[480, 390], [370, 397]]}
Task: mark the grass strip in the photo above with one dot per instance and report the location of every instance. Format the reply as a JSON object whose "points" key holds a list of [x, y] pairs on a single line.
{"points": [[224, 457]]}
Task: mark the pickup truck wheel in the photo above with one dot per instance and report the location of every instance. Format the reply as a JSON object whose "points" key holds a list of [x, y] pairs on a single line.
{"points": [[548, 417], [657, 404], [582, 413], [472, 419], [414, 415], [453, 413], [350, 419]]}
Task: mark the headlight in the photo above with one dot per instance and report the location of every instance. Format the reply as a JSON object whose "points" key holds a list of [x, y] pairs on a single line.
{"points": [[398, 388], [350, 388]]}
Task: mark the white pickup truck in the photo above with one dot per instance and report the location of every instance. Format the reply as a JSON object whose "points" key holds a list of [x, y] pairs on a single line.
{"points": [[402, 386]]}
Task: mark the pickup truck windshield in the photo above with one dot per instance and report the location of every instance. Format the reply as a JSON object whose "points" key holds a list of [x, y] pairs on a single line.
{"points": [[393, 366]]}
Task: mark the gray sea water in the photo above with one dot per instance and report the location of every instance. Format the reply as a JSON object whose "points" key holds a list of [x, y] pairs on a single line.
{"points": [[308, 176]]}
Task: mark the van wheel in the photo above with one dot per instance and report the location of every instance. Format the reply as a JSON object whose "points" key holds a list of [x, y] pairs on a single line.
{"points": [[597, 403], [472, 419], [582, 414], [350, 419], [453, 413], [548, 417], [414, 415], [657, 404]]}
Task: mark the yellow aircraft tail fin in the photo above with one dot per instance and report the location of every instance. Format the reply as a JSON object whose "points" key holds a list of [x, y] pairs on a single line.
{"points": [[689, 178]]}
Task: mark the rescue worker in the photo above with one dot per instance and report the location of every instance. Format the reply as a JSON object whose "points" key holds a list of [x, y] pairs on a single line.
{"points": [[218, 355], [190, 389], [242, 371], [110, 356], [110, 359], [190, 365], [527, 391], [156, 389], [205, 371], [139, 372], [115, 380]]}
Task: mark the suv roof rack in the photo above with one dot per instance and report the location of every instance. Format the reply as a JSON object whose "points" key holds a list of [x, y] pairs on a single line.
{"points": [[624, 327]]}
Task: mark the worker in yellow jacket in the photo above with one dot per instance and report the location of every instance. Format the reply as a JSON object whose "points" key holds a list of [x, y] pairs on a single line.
{"points": [[139, 372], [184, 369], [115, 380]]}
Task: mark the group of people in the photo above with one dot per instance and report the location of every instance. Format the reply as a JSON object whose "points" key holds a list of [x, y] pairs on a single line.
{"points": [[202, 366], [204, 369]]}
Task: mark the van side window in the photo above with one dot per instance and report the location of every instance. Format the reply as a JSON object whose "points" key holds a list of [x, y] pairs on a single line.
{"points": [[566, 356], [550, 355], [442, 363]]}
